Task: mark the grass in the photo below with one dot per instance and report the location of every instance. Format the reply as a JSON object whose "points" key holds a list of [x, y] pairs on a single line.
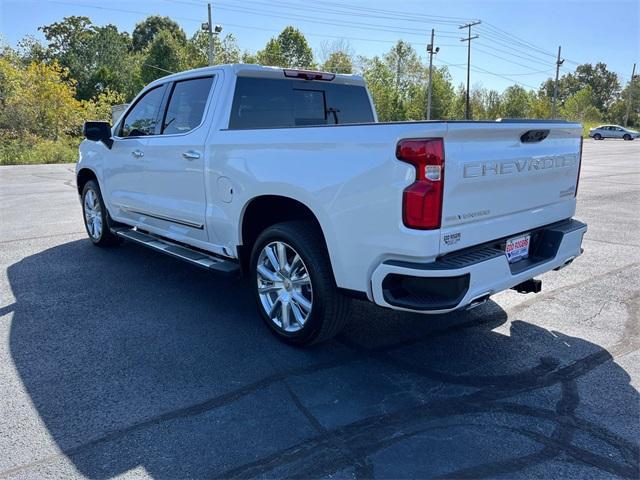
{"points": [[586, 126], [31, 152]]}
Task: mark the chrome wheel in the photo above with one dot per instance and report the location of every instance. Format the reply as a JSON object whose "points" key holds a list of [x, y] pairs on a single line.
{"points": [[284, 286], [93, 214]]}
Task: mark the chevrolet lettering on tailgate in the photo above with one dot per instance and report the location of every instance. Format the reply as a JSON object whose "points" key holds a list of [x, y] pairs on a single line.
{"points": [[481, 169]]}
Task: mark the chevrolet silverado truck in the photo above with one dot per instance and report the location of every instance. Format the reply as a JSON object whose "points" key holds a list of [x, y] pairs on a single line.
{"points": [[286, 177]]}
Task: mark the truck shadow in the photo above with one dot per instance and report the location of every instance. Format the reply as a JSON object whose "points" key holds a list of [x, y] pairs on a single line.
{"points": [[134, 360]]}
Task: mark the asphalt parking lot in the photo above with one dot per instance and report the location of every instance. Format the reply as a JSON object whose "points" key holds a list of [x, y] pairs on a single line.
{"points": [[126, 363]]}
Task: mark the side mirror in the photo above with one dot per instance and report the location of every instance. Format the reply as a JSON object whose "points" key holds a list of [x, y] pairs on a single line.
{"points": [[98, 132]]}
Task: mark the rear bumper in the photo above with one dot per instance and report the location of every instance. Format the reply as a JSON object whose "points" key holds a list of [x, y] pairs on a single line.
{"points": [[460, 279]]}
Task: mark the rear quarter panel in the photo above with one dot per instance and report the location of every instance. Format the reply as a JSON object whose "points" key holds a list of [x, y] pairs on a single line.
{"points": [[347, 175]]}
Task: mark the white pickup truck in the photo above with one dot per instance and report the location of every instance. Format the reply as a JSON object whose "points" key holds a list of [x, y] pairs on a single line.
{"points": [[285, 176]]}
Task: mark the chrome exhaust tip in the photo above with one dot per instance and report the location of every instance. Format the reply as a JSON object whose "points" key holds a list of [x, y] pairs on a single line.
{"points": [[476, 302], [568, 262]]}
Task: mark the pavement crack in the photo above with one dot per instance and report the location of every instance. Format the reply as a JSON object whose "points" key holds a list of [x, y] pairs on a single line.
{"points": [[317, 426]]}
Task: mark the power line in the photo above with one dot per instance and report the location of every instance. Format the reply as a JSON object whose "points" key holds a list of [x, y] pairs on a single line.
{"points": [[235, 25], [510, 37], [158, 68], [510, 49], [401, 15], [335, 23], [482, 70], [252, 27], [507, 60], [525, 43], [361, 12], [492, 34], [388, 14], [488, 72]]}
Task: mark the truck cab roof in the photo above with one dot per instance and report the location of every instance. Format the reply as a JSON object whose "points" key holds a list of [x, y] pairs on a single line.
{"points": [[252, 70]]}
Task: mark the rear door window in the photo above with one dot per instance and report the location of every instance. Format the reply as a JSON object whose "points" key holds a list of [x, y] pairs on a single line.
{"points": [[143, 118], [261, 103], [186, 105], [266, 102]]}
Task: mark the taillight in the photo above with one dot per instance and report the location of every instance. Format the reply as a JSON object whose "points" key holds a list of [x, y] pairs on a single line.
{"points": [[422, 200], [579, 166]]}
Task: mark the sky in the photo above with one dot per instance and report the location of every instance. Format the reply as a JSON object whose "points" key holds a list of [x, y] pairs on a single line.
{"points": [[518, 39]]}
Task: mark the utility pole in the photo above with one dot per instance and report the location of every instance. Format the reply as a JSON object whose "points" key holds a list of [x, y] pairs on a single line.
{"points": [[211, 30], [630, 97], [432, 51], [467, 113], [555, 85]]}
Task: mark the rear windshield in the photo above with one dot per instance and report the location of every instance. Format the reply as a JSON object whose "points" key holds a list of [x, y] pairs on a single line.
{"points": [[266, 102]]}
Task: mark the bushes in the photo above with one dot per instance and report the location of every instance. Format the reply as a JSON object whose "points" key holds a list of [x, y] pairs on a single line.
{"points": [[40, 117], [32, 150]]}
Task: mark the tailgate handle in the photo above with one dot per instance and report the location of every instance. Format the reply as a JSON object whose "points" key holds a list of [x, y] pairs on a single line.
{"points": [[533, 136]]}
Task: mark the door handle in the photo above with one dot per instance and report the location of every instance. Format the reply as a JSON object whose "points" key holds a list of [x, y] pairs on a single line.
{"points": [[191, 155], [138, 153]]}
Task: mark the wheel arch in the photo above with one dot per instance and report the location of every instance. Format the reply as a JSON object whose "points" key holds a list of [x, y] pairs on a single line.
{"points": [[261, 212], [83, 176]]}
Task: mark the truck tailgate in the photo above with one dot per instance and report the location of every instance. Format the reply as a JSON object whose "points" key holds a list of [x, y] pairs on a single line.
{"points": [[503, 178]]}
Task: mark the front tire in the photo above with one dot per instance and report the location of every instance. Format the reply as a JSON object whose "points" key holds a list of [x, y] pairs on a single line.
{"points": [[597, 136], [294, 286], [626, 137], [95, 216]]}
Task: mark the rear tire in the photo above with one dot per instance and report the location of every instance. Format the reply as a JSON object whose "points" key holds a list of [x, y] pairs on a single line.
{"points": [[597, 136], [293, 284], [95, 216], [626, 137]]}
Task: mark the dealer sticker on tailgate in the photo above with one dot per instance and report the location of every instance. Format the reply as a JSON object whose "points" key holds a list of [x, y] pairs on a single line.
{"points": [[518, 248]]}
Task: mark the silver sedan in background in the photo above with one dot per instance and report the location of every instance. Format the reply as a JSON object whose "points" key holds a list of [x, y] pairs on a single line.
{"points": [[613, 131]]}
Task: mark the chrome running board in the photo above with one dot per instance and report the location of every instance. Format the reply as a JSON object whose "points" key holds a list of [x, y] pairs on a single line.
{"points": [[195, 257]]}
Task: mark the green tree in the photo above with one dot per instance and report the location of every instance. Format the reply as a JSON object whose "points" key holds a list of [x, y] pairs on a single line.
{"points": [[38, 100], [98, 58], [165, 55], [70, 43], [338, 62], [458, 105], [618, 110], [225, 51], [288, 50], [248, 57], [336, 56], [40, 116], [380, 80], [580, 107], [478, 103], [442, 94], [492, 105], [604, 84], [403, 60], [540, 106], [111, 63], [400, 83], [30, 49], [515, 102], [145, 32]]}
